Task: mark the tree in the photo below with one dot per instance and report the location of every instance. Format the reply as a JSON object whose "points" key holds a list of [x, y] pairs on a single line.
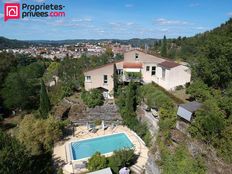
{"points": [[199, 91], [14, 158], [7, 62], [131, 98], [109, 52], [209, 122], [38, 135], [164, 47], [127, 103], [97, 162], [44, 101], [21, 87]]}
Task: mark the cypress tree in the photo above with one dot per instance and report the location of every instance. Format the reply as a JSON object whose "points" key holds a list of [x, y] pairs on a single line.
{"points": [[164, 47], [45, 106], [130, 98]]}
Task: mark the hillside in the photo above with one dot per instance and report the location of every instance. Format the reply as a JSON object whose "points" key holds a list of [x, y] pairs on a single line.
{"points": [[135, 42], [12, 43], [209, 54]]}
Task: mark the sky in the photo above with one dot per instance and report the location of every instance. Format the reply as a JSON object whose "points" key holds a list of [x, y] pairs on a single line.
{"points": [[119, 19]]}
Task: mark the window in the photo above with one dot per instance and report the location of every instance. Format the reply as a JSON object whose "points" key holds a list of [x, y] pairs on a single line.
{"points": [[163, 73], [153, 70], [147, 68], [105, 77], [136, 56], [120, 72], [88, 78]]}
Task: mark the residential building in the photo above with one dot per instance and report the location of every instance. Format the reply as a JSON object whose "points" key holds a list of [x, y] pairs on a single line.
{"points": [[141, 67]]}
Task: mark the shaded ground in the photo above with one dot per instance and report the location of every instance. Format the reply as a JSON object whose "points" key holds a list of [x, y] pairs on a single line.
{"points": [[10, 122], [181, 94]]}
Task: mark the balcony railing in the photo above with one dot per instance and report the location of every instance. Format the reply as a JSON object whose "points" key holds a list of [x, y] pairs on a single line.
{"points": [[133, 76]]}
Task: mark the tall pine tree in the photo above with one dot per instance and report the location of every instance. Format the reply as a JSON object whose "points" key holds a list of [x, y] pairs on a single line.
{"points": [[45, 105], [164, 47]]}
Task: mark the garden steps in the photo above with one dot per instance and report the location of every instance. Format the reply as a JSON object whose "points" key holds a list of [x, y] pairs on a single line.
{"points": [[137, 169]]}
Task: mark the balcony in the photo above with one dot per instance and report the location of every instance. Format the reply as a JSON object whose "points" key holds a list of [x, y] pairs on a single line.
{"points": [[132, 76]]}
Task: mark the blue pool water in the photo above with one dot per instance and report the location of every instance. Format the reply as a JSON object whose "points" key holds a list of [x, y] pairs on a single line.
{"points": [[106, 144]]}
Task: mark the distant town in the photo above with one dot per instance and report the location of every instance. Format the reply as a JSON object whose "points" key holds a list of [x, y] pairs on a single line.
{"points": [[71, 50]]}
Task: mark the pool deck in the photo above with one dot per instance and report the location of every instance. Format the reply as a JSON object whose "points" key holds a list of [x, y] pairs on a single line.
{"points": [[60, 150]]}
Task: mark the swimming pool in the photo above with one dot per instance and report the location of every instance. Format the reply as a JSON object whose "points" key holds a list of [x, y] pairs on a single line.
{"points": [[105, 144]]}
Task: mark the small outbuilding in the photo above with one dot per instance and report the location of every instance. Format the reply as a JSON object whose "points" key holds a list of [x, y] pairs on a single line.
{"points": [[187, 110], [103, 171]]}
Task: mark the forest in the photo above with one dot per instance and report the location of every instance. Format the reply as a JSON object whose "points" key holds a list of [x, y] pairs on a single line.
{"points": [[25, 98], [209, 55]]}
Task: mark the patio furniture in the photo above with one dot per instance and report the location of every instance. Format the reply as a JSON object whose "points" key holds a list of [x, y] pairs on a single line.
{"points": [[113, 126], [94, 130], [104, 127]]}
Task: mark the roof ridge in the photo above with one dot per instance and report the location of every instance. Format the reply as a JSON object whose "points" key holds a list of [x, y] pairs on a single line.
{"points": [[111, 63]]}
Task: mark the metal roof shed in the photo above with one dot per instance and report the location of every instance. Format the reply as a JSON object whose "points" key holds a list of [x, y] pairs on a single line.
{"points": [[187, 110], [103, 171]]}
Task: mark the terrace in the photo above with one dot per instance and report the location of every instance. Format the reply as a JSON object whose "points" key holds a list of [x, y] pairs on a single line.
{"points": [[62, 153]]}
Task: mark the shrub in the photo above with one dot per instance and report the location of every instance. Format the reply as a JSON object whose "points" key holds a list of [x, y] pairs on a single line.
{"points": [[121, 158], [38, 135], [92, 98], [181, 162], [179, 87], [97, 162]]}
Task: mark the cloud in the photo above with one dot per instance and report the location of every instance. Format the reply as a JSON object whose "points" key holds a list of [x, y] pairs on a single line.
{"points": [[82, 20], [39, 0], [229, 14], [121, 24], [1, 15], [163, 21], [10, 1], [164, 29], [194, 5], [200, 28], [129, 5]]}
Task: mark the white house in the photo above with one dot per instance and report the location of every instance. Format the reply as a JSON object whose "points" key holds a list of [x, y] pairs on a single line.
{"points": [[143, 67]]}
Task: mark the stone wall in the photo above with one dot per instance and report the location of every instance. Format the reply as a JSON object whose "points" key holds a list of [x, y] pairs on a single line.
{"points": [[151, 166], [76, 111], [152, 123]]}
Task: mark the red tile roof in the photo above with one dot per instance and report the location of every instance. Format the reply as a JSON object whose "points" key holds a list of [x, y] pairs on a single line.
{"points": [[132, 65], [168, 64]]}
